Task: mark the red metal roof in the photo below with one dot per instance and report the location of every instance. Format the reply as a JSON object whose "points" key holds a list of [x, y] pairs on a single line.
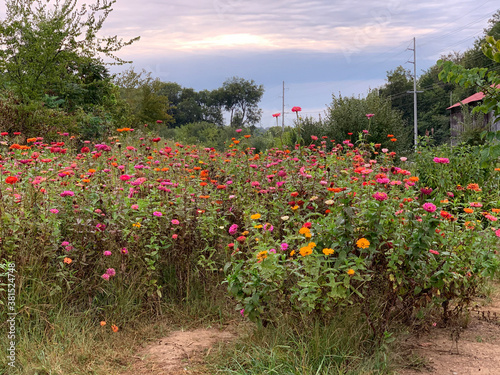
{"points": [[473, 98]]}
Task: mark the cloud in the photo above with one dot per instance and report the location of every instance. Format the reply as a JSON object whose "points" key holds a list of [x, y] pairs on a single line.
{"points": [[340, 26]]}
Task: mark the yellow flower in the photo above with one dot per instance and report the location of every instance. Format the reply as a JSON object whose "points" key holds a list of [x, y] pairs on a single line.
{"points": [[312, 245], [304, 230], [350, 272], [363, 243], [327, 251], [67, 260], [295, 207], [258, 226], [255, 217], [306, 250], [244, 233], [308, 235], [137, 225], [292, 253], [262, 255], [103, 323]]}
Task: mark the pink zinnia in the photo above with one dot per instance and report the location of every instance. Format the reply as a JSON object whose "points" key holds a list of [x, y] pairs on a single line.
{"points": [[429, 207], [105, 276], [380, 196], [433, 252], [134, 207], [497, 232], [157, 213], [175, 222], [124, 251], [107, 253], [67, 193], [111, 272], [125, 177], [233, 229], [369, 115]]}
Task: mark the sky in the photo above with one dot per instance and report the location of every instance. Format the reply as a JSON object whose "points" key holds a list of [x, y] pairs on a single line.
{"points": [[318, 48]]}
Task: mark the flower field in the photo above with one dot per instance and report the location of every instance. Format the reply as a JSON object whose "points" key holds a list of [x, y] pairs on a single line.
{"points": [[116, 227]]}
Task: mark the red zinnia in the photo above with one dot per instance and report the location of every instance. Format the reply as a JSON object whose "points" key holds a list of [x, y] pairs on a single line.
{"points": [[11, 180]]}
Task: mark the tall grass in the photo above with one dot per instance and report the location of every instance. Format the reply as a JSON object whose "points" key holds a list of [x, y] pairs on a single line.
{"points": [[307, 346]]}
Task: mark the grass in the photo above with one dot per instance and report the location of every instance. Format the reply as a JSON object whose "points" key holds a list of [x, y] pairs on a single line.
{"points": [[305, 347]]}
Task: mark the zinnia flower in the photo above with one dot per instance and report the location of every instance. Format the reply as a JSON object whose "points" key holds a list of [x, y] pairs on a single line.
{"points": [[11, 180], [111, 272], [233, 229], [305, 251], [380, 196], [429, 207], [363, 243]]}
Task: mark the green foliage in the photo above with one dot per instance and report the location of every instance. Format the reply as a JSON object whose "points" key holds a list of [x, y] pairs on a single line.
{"points": [[240, 98], [48, 46], [480, 78], [145, 96], [399, 82], [348, 115]]}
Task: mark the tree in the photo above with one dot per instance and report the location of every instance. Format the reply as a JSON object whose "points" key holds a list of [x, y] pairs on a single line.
{"points": [[145, 96], [473, 57], [399, 82], [47, 45], [241, 98], [348, 115]]}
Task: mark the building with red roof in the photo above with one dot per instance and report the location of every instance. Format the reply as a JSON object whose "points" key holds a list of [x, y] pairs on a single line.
{"points": [[457, 117]]}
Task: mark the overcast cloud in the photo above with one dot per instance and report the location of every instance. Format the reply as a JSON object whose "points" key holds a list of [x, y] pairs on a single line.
{"points": [[317, 47]]}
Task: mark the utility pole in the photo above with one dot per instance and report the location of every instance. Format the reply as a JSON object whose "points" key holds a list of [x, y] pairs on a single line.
{"points": [[414, 62], [283, 111]]}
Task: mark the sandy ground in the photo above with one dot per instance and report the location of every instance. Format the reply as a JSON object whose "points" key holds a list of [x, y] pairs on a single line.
{"points": [[456, 351], [178, 353], [474, 350]]}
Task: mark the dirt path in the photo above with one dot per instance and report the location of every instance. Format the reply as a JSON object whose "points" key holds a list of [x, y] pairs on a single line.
{"points": [[178, 352], [443, 351], [453, 351]]}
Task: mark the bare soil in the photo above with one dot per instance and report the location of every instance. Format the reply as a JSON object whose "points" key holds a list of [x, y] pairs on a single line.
{"points": [[451, 350], [454, 350], [179, 352]]}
